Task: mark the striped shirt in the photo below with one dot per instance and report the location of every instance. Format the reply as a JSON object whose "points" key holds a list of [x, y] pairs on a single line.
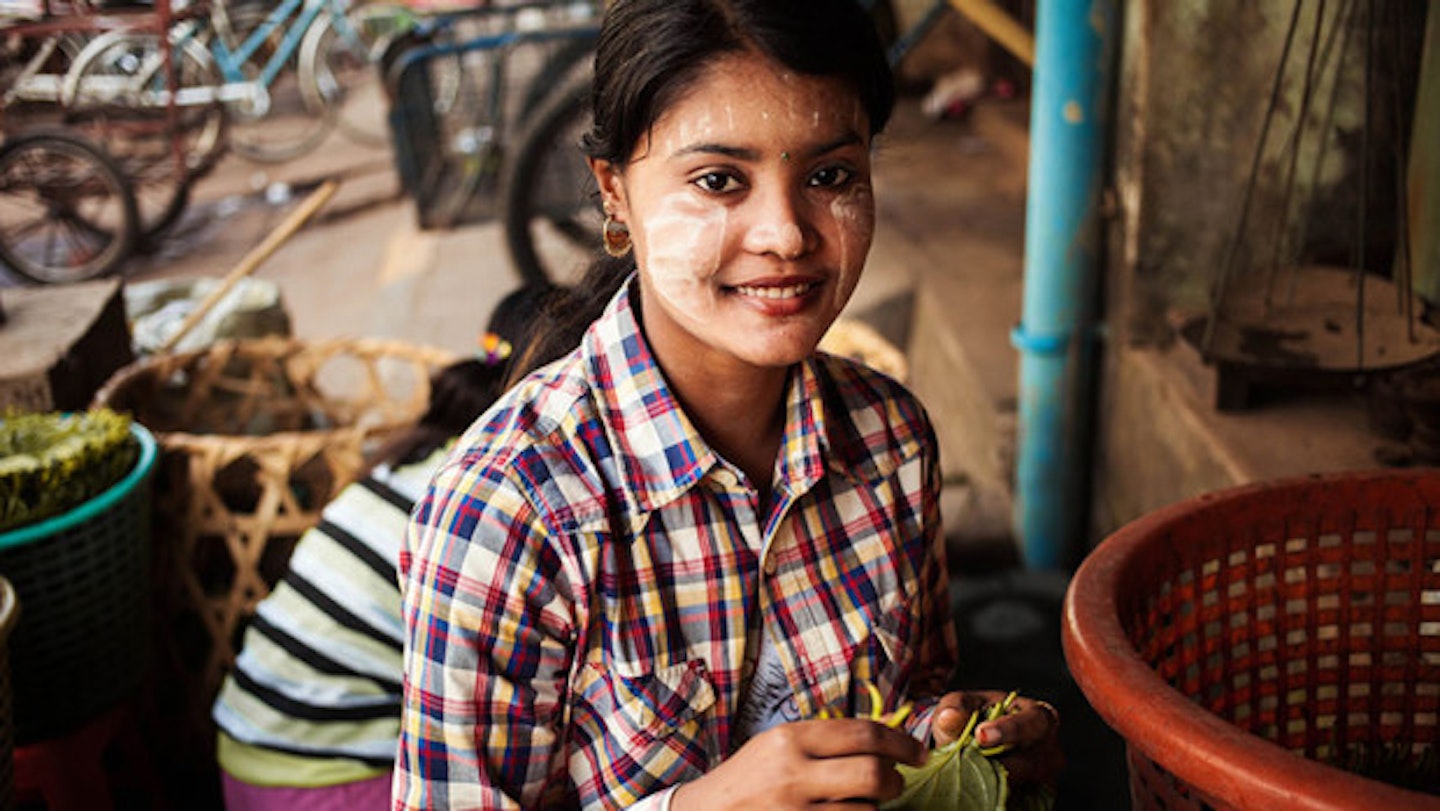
{"points": [[318, 675], [584, 582]]}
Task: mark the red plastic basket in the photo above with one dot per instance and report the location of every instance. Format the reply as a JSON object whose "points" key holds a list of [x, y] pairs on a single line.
{"points": [[1243, 641]]}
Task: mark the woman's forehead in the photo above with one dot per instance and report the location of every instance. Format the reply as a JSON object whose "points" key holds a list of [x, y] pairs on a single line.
{"points": [[749, 96]]}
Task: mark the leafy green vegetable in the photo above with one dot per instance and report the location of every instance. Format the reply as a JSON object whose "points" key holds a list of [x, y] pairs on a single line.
{"points": [[51, 462], [962, 776]]}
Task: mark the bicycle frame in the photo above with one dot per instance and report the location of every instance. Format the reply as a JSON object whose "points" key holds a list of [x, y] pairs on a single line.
{"points": [[296, 16], [231, 62]]}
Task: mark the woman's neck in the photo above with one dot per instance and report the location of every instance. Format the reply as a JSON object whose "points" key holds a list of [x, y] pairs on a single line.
{"points": [[739, 409]]}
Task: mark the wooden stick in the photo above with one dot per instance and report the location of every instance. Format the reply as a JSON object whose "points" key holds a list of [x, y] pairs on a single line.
{"points": [[1001, 27], [254, 258]]}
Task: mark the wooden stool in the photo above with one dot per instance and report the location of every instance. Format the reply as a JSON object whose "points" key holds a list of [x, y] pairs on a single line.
{"points": [[69, 772]]}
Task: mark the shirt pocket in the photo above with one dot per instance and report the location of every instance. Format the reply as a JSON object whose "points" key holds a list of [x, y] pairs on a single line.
{"points": [[641, 707], [884, 656]]}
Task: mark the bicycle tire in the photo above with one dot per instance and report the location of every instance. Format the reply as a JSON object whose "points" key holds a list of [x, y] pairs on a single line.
{"points": [[341, 76], [114, 93], [288, 126], [548, 194], [557, 68], [46, 178]]}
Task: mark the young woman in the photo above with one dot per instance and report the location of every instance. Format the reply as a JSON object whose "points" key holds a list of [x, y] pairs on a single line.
{"points": [[643, 576]]}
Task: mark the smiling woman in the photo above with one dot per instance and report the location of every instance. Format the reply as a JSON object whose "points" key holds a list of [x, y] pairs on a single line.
{"points": [[684, 531]]}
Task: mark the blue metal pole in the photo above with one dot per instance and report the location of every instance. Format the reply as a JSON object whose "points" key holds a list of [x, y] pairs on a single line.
{"points": [[1068, 127]]}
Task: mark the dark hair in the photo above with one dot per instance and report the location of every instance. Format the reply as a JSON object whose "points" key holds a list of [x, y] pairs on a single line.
{"points": [[651, 51], [463, 390]]}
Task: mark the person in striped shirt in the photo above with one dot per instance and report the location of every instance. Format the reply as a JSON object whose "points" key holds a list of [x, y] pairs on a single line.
{"points": [[639, 580], [309, 716]]}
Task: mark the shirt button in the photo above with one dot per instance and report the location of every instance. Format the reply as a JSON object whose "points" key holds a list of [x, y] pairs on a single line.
{"points": [[770, 565], [725, 478]]}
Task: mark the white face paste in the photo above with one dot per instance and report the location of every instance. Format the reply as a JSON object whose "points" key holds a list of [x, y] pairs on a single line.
{"points": [[697, 248], [684, 240]]}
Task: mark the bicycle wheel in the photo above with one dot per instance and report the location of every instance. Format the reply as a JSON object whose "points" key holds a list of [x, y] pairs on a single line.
{"points": [[278, 124], [550, 204], [32, 71], [563, 61], [338, 68], [116, 92], [66, 211]]}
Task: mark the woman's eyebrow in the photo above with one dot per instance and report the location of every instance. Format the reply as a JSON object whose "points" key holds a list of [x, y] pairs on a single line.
{"points": [[736, 152], [749, 154]]}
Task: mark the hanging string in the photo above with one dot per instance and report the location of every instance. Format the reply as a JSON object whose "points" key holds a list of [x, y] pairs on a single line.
{"points": [[1280, 252], [1217, 293], [1345, 22], [1404, 282], [1364, 196]]}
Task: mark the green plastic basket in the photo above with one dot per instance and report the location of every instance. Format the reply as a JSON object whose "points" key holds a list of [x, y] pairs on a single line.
{"points": [[84, 579]]}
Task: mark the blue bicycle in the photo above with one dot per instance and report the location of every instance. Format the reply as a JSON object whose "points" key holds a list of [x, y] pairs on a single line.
{"points": [[272, 71]]}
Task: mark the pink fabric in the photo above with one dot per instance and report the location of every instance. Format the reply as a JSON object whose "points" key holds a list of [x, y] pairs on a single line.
{"points": [[366, 795]]}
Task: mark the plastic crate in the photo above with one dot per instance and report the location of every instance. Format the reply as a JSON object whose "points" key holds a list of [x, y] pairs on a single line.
{"points": [[84, 580], [1248, 643]]}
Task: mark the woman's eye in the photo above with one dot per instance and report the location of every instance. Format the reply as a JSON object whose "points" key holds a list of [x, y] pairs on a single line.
{"points": [[831, 177], [717, 182]]}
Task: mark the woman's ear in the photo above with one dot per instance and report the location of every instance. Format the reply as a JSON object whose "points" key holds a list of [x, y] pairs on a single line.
{"points": [[612, 188]]}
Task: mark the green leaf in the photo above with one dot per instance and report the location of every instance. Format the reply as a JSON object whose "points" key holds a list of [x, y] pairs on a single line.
{"points": [[960, 777], [50, 462], [955, 778]]}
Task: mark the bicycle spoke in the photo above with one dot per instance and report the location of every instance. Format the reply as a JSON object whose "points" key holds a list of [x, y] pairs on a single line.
{"points": [[66, 213]]}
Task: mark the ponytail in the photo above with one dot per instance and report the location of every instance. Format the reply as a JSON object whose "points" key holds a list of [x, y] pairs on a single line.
{"points": [[568, 312]]}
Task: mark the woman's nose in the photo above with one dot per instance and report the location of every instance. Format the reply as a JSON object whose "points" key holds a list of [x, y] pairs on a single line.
{"points": [[779, 226]]}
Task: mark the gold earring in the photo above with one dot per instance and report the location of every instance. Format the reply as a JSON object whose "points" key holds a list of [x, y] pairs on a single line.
{"points": [[616, 236]]}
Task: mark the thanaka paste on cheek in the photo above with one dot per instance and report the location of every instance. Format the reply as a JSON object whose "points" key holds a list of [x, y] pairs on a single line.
{"points": [[684, 239], [854, 215]]}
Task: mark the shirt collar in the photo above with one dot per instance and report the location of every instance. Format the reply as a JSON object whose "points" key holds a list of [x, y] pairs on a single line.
{"points": [[662, 454]]}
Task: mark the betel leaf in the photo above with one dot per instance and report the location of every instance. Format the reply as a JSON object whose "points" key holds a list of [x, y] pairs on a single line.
{"points": [[51, 462], [962, 776], [957, 777]]}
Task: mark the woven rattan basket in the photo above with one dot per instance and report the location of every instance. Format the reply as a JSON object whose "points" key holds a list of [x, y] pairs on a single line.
{"points": [[1250, 643], [256, 437], [859, 341], [84, 579]]}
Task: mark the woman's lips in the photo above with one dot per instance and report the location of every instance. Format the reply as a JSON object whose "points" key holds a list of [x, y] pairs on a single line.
{"points": [[778, 298], [775, 291]]}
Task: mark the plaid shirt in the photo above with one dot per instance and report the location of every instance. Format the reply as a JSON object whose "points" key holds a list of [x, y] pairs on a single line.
{"points": [[584, 582]]}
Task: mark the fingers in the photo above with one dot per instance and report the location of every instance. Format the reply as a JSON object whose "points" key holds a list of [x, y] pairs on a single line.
{"points": [[1035, 764], [844, 737], [854, 779], [1034, 722], [953, 712]]}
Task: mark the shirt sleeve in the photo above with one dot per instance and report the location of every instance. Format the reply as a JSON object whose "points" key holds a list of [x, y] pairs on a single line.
{"points": [[488, 644]]}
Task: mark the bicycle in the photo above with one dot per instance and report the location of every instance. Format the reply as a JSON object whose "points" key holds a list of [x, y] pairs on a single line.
{"points": [[548, 198], [263, 66], [146, 146], [450, 162]]}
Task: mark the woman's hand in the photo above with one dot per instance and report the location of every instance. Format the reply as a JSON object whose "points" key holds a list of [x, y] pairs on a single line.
{"points": [[1029, 731], [842, 762]]}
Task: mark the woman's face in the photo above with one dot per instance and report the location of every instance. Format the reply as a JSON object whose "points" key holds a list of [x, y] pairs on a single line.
{"points": [[751, 213]]}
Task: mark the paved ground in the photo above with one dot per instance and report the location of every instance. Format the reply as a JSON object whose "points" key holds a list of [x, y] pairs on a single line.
{"points": [[362, 267]]}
